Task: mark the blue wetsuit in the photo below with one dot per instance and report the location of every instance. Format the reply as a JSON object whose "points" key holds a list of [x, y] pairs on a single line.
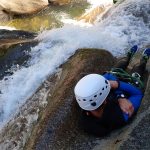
{"points": [[132, 93], [112, 117]]}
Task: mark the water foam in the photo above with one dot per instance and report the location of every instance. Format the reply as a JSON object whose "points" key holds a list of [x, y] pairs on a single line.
{"points": [[93, 5], [117, 32]]}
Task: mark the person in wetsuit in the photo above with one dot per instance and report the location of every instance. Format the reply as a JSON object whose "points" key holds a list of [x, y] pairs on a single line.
{"points": [[107, 102]]}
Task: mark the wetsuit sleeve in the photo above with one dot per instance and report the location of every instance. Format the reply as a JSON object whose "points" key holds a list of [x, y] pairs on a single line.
{"points": [[135, 95], [110, 76]]}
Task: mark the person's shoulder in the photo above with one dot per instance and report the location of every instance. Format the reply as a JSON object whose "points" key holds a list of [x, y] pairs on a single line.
{"points": [[109, 76]]}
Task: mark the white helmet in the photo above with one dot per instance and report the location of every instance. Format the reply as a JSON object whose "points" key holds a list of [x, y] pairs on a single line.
{"points": [[91, 91]]}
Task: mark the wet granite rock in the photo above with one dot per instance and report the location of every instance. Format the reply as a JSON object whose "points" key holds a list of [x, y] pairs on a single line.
{"points": [[59, 2], [9, 38], [23, 7], [9, 8], [58, 125], [4, 16]]}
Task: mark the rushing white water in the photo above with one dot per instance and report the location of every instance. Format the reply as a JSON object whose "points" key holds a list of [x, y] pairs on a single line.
{"points": [[127, 24], [94, 4]]}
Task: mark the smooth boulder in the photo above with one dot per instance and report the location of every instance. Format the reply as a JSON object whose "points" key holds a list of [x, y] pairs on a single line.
{"points": [[12, 37], [49, 118], [23, 7], [4, 16], [91, 15], [57, 126], [60, 2]]}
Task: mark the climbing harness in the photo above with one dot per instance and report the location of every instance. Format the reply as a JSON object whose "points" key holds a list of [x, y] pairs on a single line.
{"points": [[122, 75]]}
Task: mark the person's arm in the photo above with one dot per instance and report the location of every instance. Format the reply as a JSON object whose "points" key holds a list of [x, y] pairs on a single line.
{"points": [[112, 80], [113, 84], [110, 76], [130, 105], [135, 95], [127, 107]]}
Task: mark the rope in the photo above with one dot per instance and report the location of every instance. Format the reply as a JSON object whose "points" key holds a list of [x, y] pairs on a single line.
{"points": [[124, 76]]}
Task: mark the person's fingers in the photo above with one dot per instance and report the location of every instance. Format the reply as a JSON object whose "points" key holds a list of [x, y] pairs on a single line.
{"points": [[128, 110], [131, 108], [124, 110], [126, 106], [131, 111]]}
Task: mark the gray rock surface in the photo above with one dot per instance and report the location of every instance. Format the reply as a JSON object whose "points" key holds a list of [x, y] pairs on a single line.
{"points": [[139, 138], [58, 125]]}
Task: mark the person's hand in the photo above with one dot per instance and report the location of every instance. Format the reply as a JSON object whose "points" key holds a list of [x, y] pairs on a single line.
{"points": [[113, 84], [126, 106]]}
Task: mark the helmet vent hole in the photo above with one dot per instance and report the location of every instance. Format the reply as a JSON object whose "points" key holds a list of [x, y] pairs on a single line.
{"points": [[84, 99], [100, 93], [106, 86], [91, 100], [106, 81], [103, 89], [93, 104], [95, 95]]}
